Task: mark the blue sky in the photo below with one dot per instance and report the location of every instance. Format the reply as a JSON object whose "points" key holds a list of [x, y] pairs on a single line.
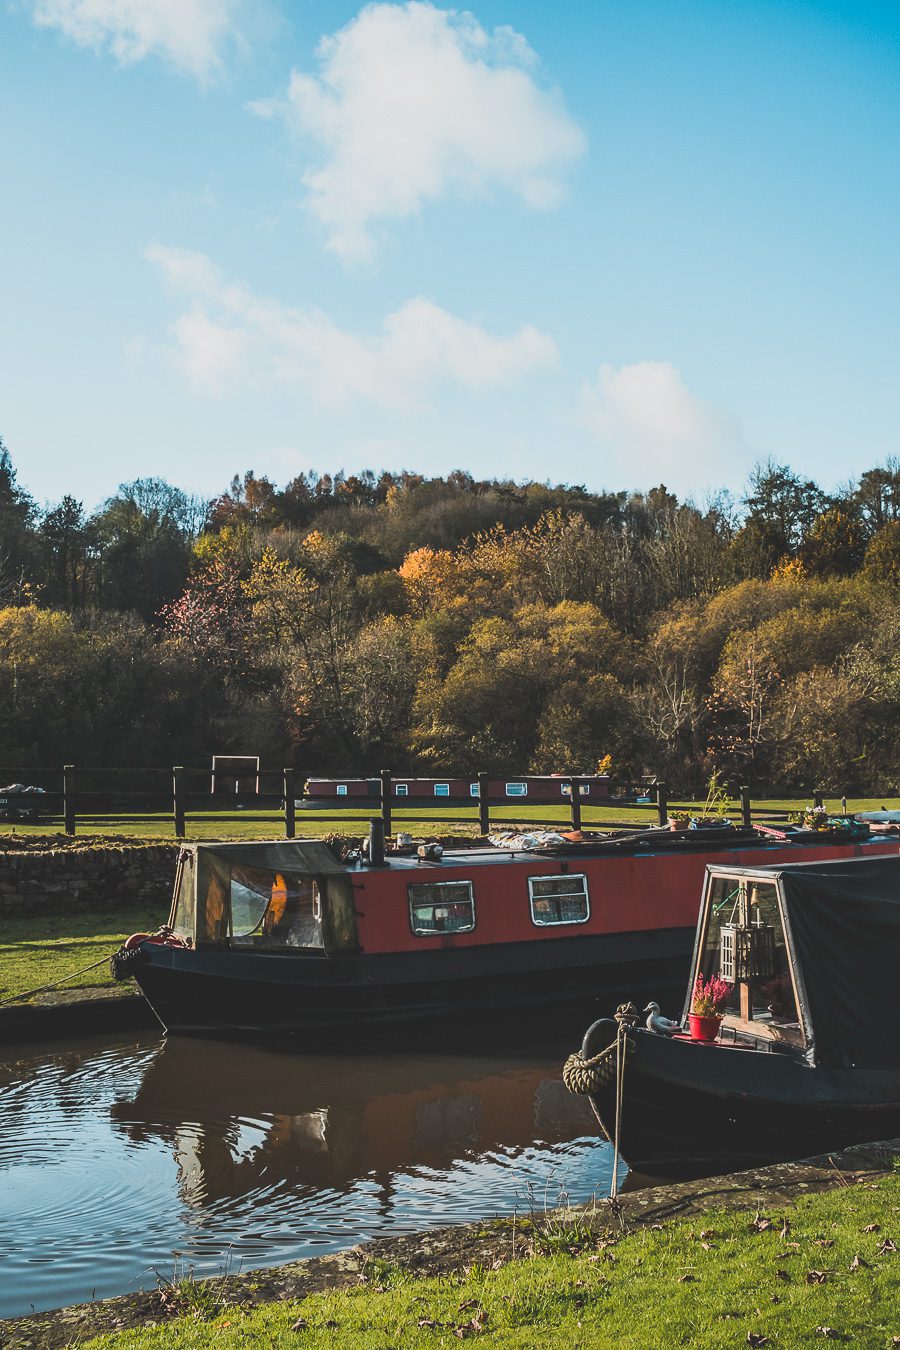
{"points": [[615, 243]]}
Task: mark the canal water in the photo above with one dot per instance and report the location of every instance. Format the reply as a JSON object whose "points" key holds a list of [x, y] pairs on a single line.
{"points": [[126, 1161]]}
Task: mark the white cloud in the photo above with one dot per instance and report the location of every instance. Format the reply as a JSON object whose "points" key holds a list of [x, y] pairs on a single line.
{"points": [[231, 338], [414, 103], [654, 426], [188, 33]]}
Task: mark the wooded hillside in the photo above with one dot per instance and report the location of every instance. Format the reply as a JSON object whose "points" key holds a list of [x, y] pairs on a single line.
{"points": [[347, 622]]}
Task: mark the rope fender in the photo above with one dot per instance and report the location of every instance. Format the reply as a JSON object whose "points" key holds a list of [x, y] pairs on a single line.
{"points": [[584, 1076]]}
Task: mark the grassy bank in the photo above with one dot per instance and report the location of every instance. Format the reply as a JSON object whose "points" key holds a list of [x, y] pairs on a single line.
{"points": [[262, 825], [824, 1270], [37, 950]]}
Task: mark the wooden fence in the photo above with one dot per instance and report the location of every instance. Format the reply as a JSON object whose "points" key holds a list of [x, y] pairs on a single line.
{"points": [[73, 799]]}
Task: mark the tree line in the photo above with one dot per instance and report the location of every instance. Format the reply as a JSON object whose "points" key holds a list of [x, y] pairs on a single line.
{"points": [[346, 622]]}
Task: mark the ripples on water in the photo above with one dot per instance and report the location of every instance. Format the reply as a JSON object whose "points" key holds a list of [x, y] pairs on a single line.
{"points": [[121, 1161]]}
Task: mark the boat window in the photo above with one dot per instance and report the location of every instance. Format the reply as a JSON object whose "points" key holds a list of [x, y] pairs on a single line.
{"points": [[745, 945], [341, 789], [474, 790], [402, 789], [558, 899], [442, 789], [272, 910], [442, 907], [517, 789]]}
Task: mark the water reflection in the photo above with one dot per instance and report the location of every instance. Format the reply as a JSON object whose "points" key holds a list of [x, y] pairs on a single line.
{"points": [[114, 1155]]}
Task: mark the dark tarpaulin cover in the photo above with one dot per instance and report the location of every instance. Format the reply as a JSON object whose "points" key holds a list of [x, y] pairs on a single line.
{"points": [[845, 921]]}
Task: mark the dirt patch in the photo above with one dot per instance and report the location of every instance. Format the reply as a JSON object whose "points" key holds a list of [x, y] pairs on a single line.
{"points": [[446, 1250]]}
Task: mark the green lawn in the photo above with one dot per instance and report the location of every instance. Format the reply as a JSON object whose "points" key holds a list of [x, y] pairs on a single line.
{"points": [[830, 1273], [36, 950], [259, 825]]}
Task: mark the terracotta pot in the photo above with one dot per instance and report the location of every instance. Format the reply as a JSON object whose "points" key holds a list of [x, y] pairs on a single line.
{"points": [[704, 1028]]}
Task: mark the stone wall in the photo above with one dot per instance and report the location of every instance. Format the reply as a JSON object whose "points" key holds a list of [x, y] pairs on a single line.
{"points": [[60, 876]]}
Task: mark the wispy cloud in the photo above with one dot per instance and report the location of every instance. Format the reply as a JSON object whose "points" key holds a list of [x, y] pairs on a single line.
{"points": [[649, 420], [188, 33], [230, 338], [414, 103]]}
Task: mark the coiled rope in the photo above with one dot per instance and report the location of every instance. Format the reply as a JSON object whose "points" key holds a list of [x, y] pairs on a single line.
{"points": [[582, 1076]]}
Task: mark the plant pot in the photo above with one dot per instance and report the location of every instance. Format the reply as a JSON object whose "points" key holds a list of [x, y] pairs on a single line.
{"points": [[704, 1028]]}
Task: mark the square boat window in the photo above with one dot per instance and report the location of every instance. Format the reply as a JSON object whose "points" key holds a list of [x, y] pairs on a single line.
{"points": [[442, 789], [517, 789], [341, 789], [441, 907], [401, 789], [558, 900], [474, 790]]}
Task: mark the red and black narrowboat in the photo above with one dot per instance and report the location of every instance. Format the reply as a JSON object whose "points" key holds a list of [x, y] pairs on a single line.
{"points": [[806, 1056], [283, 937]]}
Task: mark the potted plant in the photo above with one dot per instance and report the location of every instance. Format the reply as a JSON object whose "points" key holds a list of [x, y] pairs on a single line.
{"points": [[713, 813], [708, 1003]]}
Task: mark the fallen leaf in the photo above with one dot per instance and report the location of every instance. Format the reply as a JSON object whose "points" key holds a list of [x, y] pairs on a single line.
{"points": [[760, 1224], [816, 1276], [687, 1279], [707, 1246], [886, 1246], [782, 1275], [756, 1338], [858, 1263], [656, 1227], [830, 1333], [824, 1242], [301, 1324], [872, 1228], [785, 1228], [709, 1233], [426, 1322]]}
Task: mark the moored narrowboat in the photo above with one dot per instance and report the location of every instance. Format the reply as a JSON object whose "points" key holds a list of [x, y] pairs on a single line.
{"points": [[283, 937], [804, 1052]]}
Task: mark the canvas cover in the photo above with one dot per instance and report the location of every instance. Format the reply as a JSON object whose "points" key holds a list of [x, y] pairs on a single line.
{"points": [[845, 921]]}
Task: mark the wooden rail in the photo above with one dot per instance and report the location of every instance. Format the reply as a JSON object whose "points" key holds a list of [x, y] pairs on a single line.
{"points": [[73, 802]]}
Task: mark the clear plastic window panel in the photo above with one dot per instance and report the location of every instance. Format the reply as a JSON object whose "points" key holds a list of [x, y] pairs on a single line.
{"points": [[772, 996], [442, 907], [559, 899], [269, 909]]}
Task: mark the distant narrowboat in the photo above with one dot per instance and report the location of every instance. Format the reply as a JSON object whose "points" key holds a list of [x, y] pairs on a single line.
{"points": [[806, 1054], [282, 937], [528, 789]]}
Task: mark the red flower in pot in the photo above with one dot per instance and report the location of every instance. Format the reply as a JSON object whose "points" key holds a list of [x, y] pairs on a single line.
{"points": [[708, 1003]]}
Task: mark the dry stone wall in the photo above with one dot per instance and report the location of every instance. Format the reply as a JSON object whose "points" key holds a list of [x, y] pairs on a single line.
{"points": [[59, 876]]}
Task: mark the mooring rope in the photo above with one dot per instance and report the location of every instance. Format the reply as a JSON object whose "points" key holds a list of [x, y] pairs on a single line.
{"points": [[621, 1056], [42, 989]]}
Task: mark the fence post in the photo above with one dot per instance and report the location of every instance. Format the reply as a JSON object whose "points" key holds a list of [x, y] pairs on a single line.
{"points": [[290, 811], [575, 790], [662, 803], [484, 806], [386, 801], [178, 799], [69, 798], [817, 797], [746, 818], [843, 806]]}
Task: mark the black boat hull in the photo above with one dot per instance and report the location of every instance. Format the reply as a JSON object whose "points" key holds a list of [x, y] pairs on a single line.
{"points": [[231, 991], [691, 1109]]}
